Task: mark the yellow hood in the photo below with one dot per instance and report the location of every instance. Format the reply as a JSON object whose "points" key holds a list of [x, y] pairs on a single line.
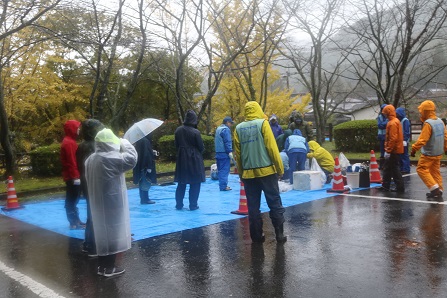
{"points": [[253, 111], [313, 145]]}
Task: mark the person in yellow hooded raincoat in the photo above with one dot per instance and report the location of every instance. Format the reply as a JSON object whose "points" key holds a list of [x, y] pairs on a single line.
{"points": [[323, 157], [260, 166], [433, 143], [394, 146]]}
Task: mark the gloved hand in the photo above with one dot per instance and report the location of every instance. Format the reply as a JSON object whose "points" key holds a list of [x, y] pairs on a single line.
{"points": [[413, 153], [76, 181], [149, 171], [155, 152], [386, 155], [405, 144], [230, 155]]}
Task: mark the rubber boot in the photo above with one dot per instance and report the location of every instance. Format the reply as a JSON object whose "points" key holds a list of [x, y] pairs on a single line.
{"points": [[279, 231], [435, 195]]}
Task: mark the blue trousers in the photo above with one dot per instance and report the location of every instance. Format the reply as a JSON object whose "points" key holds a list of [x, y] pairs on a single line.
{"points": [[194, 191], [223, 170], [71, 202], [404, 161], [294, 158]]}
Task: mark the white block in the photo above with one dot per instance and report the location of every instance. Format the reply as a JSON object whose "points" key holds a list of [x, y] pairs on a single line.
{"points": [[307, 180]]}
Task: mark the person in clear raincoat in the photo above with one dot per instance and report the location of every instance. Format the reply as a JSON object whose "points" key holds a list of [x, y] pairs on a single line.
{"points": [[108, 198]]}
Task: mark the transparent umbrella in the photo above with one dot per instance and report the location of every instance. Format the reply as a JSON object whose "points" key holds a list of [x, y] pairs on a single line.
{"points": [[141, 129]]}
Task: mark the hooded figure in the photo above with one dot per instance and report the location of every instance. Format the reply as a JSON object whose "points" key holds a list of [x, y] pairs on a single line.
{"points": [[89, 129], [433, 143], [260, 166], [382, 121], [281, 140], [406, 129], [145, 169], [393, 148], [296, 121], [108, 197], [189, 168], [70, 173], [296, 147], [323, 157], [274, 125]]}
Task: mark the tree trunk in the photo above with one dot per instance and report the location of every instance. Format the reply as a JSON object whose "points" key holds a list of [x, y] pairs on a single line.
{"points": [[5, 135]]}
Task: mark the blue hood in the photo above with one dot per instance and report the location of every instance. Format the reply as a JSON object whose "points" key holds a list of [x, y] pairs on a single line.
{"points": [[297, 132], [400, 112], [382, 106]]}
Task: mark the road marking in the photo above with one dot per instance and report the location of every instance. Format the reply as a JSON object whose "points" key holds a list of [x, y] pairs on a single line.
{"points": [[26, 281], [394, 199]]}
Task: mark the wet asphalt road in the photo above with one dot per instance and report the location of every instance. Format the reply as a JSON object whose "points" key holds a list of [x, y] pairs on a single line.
{"points": [[357, 245]]}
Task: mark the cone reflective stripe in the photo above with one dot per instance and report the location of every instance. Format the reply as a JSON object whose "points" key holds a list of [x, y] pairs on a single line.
{"points": [[12, 201], [337, 181], [243, 208], [374, 169]]}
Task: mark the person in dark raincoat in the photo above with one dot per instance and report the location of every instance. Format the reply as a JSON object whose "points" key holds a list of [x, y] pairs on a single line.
{"points": [[145, 169], [70, 173], [189, 168], [297, 148], [281, 140], [89, 129], [274, 125], [296, 121], [104, 171]]}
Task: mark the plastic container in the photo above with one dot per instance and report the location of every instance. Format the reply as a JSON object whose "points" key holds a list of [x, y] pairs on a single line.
{"points": [[353, 179], [307, 180]]}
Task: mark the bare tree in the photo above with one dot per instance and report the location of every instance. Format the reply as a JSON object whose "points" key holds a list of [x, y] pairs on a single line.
{"points": [[393, 44], [320, 68], [15, 16]]}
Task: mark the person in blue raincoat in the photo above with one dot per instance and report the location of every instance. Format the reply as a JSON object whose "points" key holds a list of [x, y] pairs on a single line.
{"points": [[107, 191], [224, 152], [189, 168], [382, 121], [297, 148], [274, 125], [406, 127]]}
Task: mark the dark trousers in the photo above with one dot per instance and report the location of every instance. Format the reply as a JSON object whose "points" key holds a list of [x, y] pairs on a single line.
{"points": [[71, 201], [194, 191], [253, 189], [89, 242], [107, 262], [391, 169]]}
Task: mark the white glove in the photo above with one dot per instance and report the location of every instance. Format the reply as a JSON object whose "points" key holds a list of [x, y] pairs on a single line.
{"points": [[76, 181], [386, 155], [149, 171], [155, 152], [405, 144], [230, 155]]}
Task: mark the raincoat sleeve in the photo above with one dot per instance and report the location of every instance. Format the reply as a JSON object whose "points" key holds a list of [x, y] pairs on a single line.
{"points": [[226, 136], [423, 137], [406, 130], [272, 148], [68, 158], [237, 151], [129, 155], [391, 143], [286, 145], [445, 140], [382, 121]]}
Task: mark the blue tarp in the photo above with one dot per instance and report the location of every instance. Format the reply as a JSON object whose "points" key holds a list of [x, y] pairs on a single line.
{"points": [[160, 218]]}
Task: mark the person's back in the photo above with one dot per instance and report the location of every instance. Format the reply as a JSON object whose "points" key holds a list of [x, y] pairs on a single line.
{"points": [[260, 166]]}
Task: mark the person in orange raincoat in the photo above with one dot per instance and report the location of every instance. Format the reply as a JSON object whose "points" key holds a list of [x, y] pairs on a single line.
{"points": [[394, 140], [433, 143]]}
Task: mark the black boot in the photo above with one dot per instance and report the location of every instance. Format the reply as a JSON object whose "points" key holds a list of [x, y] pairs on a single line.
{"points": [[279, 231], [435, 195]]}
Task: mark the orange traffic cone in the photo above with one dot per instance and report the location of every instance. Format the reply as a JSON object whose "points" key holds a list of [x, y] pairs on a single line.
{"points": [[374, 169], [243, 209], [337, 181], [12, 201]]}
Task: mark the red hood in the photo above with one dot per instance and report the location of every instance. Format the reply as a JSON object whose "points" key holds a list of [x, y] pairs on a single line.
{"points": [[71, 128]]}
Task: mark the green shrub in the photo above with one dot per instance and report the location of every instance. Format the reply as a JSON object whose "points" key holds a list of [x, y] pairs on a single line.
{"points": [[356, 136], [166, 145], [45, 161]]}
